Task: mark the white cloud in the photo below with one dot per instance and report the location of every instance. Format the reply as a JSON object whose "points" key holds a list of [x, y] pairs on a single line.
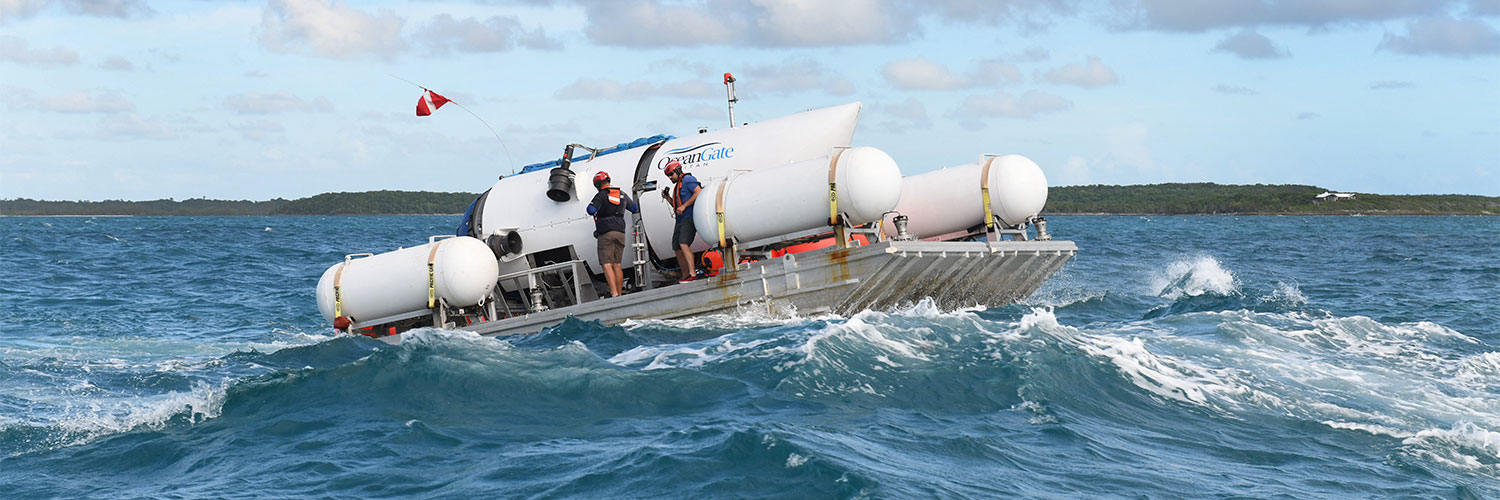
{"points": [[18, 98], [1092, 73], [903, 116], [1247, 44], [1234, 90], [991, 72], [1003, 105], [332, 29], [261, 130], [255, 103], [16, 50], [11, 10], [793, 77], [496, 34], [1203, 15], [1027, 13], [1484, 7], [123, 9], [1445, 36], [910, 110], [1074, 172], [117, 63], [805, 23], [1032, 54], [645, 23], [765, 23], [84, 102], [795, 23], [922, 74], [133, 126]]}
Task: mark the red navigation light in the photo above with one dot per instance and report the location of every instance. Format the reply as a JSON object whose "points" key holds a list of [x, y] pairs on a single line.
{"points": [[728, 78]]}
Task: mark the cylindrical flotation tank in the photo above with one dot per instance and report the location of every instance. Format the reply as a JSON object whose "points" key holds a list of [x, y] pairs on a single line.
{"points": [[950, 199], [464, 271], [774, 201]]}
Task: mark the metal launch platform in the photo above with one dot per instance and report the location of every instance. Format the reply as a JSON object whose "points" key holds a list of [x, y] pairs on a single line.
{"points": [[877, 276]]}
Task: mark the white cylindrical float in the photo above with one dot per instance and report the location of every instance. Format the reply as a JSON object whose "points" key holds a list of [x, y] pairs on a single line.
{"points": [[775, 201], [951, 199], [464, 271]]}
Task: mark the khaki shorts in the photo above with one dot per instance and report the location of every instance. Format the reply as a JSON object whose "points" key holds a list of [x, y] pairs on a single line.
{"points": [[611, 247]]}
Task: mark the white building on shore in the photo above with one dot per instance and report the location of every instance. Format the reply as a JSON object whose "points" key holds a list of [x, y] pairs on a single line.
{"points": [[1327, 196]]}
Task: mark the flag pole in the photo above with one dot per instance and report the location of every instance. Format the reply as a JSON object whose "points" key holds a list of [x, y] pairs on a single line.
{"points": [[476, 116]]}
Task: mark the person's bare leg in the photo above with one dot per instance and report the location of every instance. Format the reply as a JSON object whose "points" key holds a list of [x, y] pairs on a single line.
{"points": [[619, 281], [612, 275], [685, 261]]}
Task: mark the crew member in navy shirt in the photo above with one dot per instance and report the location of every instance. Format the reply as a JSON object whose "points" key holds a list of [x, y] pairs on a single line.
{"points": [[608, 209], [682, 200]]}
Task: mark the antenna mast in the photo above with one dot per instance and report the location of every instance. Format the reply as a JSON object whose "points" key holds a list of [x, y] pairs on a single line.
{"points": [[729, 88]]}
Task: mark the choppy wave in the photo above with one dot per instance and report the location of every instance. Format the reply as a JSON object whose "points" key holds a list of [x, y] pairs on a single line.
{"points": [[1194, 277], [1152, 372]]}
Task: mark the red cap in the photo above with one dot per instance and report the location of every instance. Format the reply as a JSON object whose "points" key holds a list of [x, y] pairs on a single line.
{"points": [[601, 178], [728, 77], [672, 166]]}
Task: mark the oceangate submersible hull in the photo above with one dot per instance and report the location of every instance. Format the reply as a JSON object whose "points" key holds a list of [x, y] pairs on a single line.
{"points": [[799, 220]]}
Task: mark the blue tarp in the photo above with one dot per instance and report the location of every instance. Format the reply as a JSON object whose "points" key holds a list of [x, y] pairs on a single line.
{"points": [[581, 155]]}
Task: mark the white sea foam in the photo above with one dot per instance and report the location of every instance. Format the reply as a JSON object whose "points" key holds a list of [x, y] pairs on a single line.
{"points": [[1379, 430], [928, 309], [753, 315], [1286, 293], [1465, 446], [696, 354], [1194, 277], [1408, 381], [1165, 376], [794, 460], [85, 421], [1479, 371], [1061, 296]]}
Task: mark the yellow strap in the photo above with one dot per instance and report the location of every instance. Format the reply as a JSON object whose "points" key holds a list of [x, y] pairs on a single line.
{"points": [[984, 189], [431, 280], [719, 210], [338, 299], [833, 189]]}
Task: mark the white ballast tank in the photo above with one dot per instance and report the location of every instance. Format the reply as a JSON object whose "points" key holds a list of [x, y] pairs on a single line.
{"points": [[948, 200], [781, 200], [464, 271]]}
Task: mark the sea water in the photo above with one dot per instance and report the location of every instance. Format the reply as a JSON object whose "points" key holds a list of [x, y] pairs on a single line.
{"points": [[1174, 357]]}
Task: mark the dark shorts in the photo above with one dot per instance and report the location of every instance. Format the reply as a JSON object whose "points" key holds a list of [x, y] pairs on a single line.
{"points": [[684, 233], [611, 247]]}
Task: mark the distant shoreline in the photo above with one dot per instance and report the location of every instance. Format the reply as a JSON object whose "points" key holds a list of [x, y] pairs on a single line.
{"points": [[1093, 200], [1287, 214], [63, 216], [1044, 213]]}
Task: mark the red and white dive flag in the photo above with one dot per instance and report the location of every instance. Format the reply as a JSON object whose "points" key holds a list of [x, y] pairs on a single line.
{"points": [[430, 102]]}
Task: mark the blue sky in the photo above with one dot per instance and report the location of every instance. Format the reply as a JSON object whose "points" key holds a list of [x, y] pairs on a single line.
{"points": [[135, 99]]}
